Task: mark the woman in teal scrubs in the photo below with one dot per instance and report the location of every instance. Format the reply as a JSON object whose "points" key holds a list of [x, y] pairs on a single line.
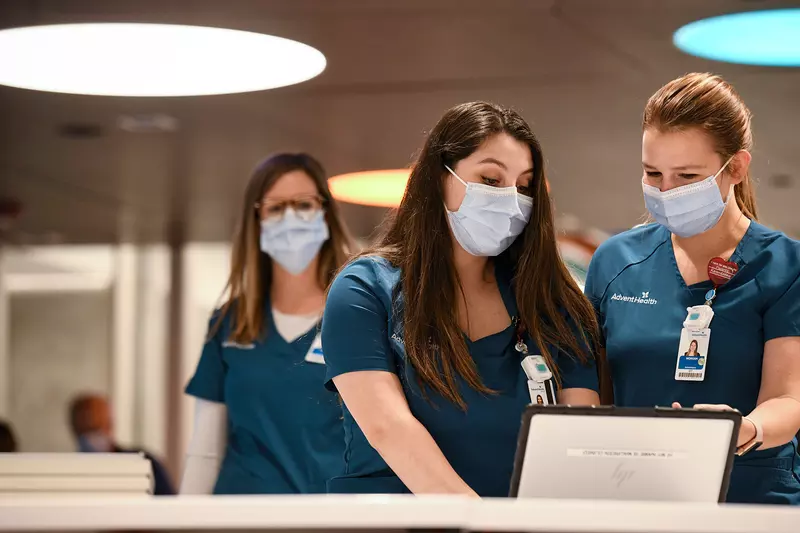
{"points": [[698, 190], [420, 331], [262, 408]]}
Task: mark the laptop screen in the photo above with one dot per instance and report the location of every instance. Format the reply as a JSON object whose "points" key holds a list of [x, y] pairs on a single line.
{"points": [[597, 456]]}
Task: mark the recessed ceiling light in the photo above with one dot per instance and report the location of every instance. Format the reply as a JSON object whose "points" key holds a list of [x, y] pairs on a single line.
{"points": [[769, 38], [119, 59], [380, 188]]}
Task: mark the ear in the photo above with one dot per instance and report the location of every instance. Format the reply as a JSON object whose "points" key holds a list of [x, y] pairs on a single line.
{"points": [[739, 166]]}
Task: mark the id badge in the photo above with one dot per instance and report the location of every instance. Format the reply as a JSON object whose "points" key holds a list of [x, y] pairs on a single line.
{"points": [[693, 354], [314, 354], [541, 392]]}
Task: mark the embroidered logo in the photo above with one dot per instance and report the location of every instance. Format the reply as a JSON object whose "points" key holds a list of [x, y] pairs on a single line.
{"points": [[644, 299]]}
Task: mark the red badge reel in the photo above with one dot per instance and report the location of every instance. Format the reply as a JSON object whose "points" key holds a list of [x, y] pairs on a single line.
{"points": [[720, 272]]}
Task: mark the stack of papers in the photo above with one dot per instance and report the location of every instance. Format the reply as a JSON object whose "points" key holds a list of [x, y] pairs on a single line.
{"points": [[123, 474]]}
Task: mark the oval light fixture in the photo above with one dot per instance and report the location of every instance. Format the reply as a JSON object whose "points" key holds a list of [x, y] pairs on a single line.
{"points": [[768, 38], [380, 188], [122, 59]]}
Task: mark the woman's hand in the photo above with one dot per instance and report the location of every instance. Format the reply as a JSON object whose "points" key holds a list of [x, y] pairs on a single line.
{"points": [[747, 431]]}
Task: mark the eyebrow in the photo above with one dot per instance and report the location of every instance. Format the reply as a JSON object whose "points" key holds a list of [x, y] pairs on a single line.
{"points": [[501, 164], [684, 167], [494, 161]]}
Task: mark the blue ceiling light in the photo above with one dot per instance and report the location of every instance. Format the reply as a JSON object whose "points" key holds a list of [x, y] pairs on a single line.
{"points": [[768, 38]]}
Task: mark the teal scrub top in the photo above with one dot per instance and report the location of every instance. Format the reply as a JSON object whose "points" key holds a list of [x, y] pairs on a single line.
{"points": [[284, 428], [641, 300], [361, 332]]}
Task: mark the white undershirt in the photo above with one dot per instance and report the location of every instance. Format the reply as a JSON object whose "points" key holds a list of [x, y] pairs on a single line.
{"points": [[210, 434], [291, 327]]}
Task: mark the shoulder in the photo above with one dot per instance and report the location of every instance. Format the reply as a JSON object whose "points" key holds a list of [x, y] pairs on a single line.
{"points": [[372, 272], [633, 245], [773, 255], [625, 249], [220, 324], [776, 243]]}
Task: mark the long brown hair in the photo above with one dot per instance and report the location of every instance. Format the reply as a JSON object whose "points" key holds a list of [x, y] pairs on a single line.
{"points": [[709, 103], [251, 270], [419, 242]]}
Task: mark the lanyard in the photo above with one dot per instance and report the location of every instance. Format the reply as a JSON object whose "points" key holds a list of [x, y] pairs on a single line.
{"points": [[541, 386], [519, 333]]}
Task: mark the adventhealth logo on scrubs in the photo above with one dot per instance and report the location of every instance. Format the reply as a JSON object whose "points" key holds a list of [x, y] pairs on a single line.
{"points": [[643, 299]]}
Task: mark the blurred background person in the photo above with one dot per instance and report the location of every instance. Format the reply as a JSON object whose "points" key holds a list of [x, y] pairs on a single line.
{"points": [[93, 428], [264, 422], [8, 441]]}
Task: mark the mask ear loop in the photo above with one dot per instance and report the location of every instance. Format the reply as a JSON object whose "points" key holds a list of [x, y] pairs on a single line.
{"points": [[456, 176], [720, 171]]}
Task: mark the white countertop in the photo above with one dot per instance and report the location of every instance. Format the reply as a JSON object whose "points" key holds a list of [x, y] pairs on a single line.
{"points": [[30, 513]]}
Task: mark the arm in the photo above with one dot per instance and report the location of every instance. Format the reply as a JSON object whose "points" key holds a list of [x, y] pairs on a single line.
{"points": [[778, 408], [594, 291], [577, 396], [378, 404], [361, 364], [206, 448], [778, 405], [210, 434]]}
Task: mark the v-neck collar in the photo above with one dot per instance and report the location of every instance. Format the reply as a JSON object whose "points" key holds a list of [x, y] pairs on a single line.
{"points": [[273, 330], [509, 301], [738, 256]]}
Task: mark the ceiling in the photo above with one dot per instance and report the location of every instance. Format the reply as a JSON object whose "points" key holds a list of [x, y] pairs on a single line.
{"points": [[579, 70]]}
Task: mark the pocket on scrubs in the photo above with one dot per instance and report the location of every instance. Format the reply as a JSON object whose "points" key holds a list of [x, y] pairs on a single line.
{"points": [[768, 480], [377, 484]]}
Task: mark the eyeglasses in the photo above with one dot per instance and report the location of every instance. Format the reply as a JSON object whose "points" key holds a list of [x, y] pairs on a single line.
{"points": [[306, 207]]}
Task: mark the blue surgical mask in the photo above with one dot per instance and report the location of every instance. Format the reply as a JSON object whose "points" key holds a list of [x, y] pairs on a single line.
{"points": [[688, 210], [292, 241], [490, 218], [95, 442]]}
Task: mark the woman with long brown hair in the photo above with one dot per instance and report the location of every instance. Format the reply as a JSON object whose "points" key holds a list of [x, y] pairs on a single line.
{"points": [[425, 334], [707, 275], [262, 409]]}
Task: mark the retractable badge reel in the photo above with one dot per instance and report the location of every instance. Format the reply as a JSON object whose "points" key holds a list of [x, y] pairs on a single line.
{"points": [[540, 379], [696, 333]]}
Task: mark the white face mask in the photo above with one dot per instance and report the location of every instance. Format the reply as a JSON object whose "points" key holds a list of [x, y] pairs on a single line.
{"points": [[292, 241], [688, 210], [490, 218]]}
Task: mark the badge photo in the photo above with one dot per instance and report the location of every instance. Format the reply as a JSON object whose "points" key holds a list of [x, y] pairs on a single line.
{"points": [[314, 354], [692, 355]]}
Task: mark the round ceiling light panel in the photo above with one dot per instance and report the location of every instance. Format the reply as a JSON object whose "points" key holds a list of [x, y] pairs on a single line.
{"points": [[120, 59], [768, 38]]}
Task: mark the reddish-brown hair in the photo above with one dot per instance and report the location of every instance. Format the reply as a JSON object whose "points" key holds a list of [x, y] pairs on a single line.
{"points": [[709, 103]]}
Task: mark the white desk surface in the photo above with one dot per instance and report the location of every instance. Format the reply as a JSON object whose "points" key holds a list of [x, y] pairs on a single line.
{"points": [[31, 513]]}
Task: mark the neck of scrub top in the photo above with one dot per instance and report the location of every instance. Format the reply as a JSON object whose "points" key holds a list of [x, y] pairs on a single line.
{"points": [[471, 269], [722, 238], [289, 291]]}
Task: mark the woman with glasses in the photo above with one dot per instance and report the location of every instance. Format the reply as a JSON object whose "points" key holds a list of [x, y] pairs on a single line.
{"points": [[426, 334], [264, 422]]}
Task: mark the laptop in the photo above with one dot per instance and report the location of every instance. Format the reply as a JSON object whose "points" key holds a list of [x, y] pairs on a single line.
{"points": [[615, 453]]}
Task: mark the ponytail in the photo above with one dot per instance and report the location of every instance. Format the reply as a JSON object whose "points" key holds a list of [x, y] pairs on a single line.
{"points": [[746, 198]]}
